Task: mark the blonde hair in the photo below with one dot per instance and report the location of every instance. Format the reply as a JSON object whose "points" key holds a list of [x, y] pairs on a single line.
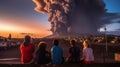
{"points": [[86, 44]]}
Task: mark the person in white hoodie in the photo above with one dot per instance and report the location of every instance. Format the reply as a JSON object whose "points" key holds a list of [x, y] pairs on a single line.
{"points": [[88, 56]]}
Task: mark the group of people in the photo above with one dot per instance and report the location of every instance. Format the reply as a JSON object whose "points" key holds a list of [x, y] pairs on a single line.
{"points": [[40, 55]]}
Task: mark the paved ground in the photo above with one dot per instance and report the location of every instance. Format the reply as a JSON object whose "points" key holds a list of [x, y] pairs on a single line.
{"points": [[10, 56]]}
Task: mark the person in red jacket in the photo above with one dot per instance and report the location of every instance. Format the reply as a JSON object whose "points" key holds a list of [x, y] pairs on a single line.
{"points": [[27, 50]]}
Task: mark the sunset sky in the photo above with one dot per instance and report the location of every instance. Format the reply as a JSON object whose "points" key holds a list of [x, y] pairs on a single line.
{"points": [[18, 16]]}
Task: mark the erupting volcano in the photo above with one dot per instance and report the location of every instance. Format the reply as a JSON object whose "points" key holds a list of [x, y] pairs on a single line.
{"points": [[72, 16]]}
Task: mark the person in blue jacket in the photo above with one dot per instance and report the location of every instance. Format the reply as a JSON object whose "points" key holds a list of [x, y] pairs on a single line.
{"points": [[56, 53]]}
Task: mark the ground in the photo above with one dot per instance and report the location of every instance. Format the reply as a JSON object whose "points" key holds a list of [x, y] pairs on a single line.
{"points": [[12, 55]]}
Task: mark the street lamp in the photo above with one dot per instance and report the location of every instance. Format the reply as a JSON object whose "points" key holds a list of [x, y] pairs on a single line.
{"points": [[106, 39], [105, 55]]}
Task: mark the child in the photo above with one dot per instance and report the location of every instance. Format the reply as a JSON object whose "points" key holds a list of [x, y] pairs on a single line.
{"points": [[74, 52], [57, 53], [27, 50], [42, 56], [88, 56]]}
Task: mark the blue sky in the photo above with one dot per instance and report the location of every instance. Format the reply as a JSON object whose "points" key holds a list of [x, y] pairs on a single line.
{"points": [[113, 6]]}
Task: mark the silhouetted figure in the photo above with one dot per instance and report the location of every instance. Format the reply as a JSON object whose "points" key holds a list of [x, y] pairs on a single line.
{"points": [[57, 53], [27, 50], [88, 56], [42, 55], [10, 36], [74, 52]]}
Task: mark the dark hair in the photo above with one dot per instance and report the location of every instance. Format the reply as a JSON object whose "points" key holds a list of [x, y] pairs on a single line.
{"points": [[72, 42], [27, 40], [55, 42], [42, 45]]}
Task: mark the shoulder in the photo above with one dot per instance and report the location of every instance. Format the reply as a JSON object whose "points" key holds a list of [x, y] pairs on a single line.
{"points": [[53, 47], [72, 48], [77, 47], [91, 49], [21, 46], [85, 49], [60, 47], [47, 52], [31, 44]]}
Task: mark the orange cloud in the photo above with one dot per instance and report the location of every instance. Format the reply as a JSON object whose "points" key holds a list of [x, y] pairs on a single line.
{"points": [[40, 6]]}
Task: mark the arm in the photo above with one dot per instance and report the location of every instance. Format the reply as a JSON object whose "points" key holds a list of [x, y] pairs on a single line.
{"points": [[35, 57], [83, 55]]}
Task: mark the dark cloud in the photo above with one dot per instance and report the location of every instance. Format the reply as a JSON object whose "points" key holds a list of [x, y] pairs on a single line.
{"points": [[74, 16], [118, 29]]}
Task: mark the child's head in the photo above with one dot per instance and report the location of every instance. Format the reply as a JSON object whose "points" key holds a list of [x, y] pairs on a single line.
{"points": [[55, 42], [27, 40], [42, 45], [86, 44], [72, 42]]}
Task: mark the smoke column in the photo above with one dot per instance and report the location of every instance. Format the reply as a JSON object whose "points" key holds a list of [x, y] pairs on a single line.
{"points": [[72, 16]]}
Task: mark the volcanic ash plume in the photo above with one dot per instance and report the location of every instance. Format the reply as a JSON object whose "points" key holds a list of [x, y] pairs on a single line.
{"points": [[72, 16]]}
